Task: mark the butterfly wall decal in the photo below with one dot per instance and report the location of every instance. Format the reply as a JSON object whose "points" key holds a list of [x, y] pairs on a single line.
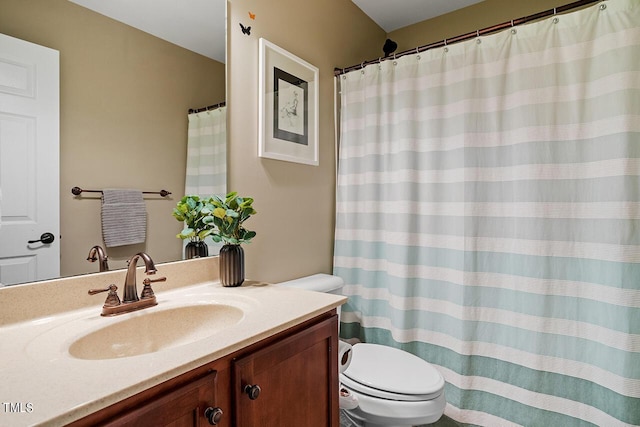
{"points": [[252, 15], [245, 30]]}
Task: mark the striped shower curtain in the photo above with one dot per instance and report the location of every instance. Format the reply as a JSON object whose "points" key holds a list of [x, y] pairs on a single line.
{"points": [[488, 217], [207, 157]]}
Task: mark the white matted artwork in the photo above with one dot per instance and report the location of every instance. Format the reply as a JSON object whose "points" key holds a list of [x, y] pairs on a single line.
{"points": [[288, 98]]}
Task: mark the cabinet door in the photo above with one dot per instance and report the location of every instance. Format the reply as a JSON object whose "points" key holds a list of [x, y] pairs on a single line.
{"points": [[297, 379], [182, 407]]}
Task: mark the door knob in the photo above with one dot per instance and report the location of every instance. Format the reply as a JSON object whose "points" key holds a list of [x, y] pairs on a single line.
{"points": [[253, 391], [45, 238]]}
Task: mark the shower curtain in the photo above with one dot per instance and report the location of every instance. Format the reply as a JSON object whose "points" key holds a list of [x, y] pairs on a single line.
{"points": [[207, 157], [488, 217]]}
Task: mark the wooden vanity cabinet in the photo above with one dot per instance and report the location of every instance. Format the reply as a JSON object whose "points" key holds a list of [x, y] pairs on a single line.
{"points": [[289, 383], [287, 380]]}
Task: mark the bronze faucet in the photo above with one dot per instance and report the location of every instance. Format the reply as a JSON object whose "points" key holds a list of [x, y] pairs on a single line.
{"points": [[102, 257], [130, 301], [130, 288]]}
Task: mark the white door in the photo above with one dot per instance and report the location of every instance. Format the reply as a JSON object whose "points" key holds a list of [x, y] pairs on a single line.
{"points": [[29, 161]]}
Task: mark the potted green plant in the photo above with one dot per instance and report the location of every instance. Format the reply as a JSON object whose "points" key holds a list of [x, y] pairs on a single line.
{"points": [[197, 215], [229, 214]]}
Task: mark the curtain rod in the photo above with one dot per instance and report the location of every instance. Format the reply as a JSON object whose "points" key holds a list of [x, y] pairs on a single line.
{"points": [[560, 9], [210, 107]]}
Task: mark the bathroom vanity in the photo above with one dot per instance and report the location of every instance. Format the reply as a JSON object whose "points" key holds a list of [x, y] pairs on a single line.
{"points": [[205, 355], [286, 380]]}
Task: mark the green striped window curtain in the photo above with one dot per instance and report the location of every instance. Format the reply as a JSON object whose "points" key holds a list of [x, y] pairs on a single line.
{"points": [[488, 217]]}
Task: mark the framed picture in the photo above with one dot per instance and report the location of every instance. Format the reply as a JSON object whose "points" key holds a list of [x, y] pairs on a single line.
{"points": [[288, 99]]}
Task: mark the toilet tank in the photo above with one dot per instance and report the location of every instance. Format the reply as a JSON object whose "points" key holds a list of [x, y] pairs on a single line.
{"points": [[318, 282]]}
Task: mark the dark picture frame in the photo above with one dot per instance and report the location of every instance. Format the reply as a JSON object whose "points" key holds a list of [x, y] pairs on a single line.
{"points": [[290, 110]]}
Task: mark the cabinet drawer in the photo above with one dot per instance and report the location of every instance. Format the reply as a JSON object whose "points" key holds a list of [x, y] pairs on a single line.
{"points": [[181, 407]]}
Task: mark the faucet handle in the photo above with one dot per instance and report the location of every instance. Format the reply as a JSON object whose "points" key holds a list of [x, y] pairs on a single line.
{"points": [[147, 292], [112, 299]]}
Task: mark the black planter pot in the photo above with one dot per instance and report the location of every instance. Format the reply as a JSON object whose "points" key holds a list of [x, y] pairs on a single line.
{"points": [[231, 265], [197, 249]]}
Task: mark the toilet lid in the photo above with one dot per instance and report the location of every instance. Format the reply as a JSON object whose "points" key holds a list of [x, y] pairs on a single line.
{"points": [[381, 370]]}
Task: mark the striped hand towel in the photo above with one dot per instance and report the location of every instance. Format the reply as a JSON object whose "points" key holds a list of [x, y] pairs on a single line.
{"points": [[124, 217]]}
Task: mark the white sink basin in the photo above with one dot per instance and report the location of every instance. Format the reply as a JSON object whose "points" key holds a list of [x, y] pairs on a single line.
{"points": [[151, 331]]}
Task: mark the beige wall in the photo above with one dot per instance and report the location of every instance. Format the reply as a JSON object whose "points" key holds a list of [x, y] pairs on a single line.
{"points": [[124, 97], [476, 17], [295, 202]]}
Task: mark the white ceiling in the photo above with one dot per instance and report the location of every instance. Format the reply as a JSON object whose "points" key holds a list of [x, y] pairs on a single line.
{"points": [[199, 25], [394, 14]]}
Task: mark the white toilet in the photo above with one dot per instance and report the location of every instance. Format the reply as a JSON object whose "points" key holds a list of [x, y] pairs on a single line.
{"points": [[388, 387]]}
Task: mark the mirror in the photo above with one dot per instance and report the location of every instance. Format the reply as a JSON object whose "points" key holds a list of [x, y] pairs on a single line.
{"points": [[124, 98]]}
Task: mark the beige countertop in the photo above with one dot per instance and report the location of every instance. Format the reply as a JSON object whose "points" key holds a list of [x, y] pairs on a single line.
{"points": [[43, 384]]}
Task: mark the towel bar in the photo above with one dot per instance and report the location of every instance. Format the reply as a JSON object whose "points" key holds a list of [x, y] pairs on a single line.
{"points": [[77, 190]]}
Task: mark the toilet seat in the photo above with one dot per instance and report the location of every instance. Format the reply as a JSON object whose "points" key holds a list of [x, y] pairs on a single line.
{"points": [[391, 374]]}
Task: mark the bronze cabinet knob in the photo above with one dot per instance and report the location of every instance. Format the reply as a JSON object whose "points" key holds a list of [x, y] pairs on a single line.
{"points": [[213, 415], [253, 391]]}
